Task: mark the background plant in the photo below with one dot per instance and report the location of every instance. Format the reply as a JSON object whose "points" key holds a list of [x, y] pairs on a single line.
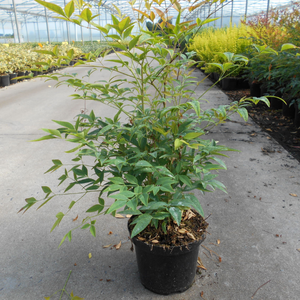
{"points": [[210, 41], [279, 27]]}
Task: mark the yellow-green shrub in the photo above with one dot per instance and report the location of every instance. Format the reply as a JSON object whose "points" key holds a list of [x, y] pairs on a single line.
{"points": [[209, 42], [18, 57]]}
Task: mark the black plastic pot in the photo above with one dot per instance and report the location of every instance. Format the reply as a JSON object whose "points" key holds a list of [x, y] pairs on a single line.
{"points": [[216, 76], [275, 103], [263, 90], [167, 271], [255, 89], [5, 80], [288, 110], [242, 84], [229, 84], [297, 115], [11, 78], [37, 73], [21, 73]]}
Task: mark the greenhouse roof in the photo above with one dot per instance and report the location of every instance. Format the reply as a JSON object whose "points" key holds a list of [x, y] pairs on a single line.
{"points": [[30, 11]]}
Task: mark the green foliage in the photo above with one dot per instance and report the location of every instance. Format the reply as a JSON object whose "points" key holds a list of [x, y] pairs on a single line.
{"points": [[278, 71], [209, 43], [154, 161], [21, 57], [280, 26]]}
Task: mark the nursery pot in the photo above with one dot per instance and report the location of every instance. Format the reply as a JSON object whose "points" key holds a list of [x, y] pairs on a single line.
{"points": [[229, 84], [21, 73], [297, 115], [5, 80], [242, 84], [12, 76], [287, 109], [255, 89], [167, 271]]}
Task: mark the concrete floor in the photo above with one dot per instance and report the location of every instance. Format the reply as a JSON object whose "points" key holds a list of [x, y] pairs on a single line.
{"points": [[254, 229]]}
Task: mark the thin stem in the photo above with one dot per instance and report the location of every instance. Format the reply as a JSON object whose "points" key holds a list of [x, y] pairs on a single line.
{"points": [[63, 290]]}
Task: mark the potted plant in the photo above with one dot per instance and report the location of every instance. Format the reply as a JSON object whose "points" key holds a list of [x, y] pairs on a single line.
{"points": [[4, 77], [151, 163], [230, 68]]}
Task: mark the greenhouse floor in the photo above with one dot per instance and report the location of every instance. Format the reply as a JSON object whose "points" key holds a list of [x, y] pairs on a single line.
{"points": [[252, 250]]}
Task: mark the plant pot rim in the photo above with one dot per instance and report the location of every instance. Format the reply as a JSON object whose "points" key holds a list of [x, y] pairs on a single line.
{"points": [[164, 249]]}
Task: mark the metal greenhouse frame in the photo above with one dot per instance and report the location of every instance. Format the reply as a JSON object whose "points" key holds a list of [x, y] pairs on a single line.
{"points": [[27, 21]]}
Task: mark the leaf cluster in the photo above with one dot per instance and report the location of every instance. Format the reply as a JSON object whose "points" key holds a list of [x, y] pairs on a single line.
{"points": [[151, 163]]}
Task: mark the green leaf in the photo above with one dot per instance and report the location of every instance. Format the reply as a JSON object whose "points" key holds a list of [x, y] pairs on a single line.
{"points": [[192, 135], [63, 239], [116, 205], [196, 107], [178, 143], [176, 214], [57, 9], [47, 52], [221, 162], [185, 179], [86, 15], [69, 186], [69, 9], [85, 226], [119, 196], [59, 217], [142, 164], [116, 180], [155, 206], [69, 235], [53, 132], [94, 208], [133, 42], [45, 202], [287, 46], [217, 184], [131, 179], [142, 222], [242, 111], [160, 130], [46, 189], [57, 162], [72, 204], [255, 100], [43, 138], [192, 200], [65, 124], [93, 230]]}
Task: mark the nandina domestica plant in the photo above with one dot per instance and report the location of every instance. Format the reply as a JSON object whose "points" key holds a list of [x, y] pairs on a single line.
{"points": [[151, 164]]}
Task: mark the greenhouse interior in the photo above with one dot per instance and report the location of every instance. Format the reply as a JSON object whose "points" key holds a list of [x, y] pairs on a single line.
{"points": [[26, 21], [150, 149]]}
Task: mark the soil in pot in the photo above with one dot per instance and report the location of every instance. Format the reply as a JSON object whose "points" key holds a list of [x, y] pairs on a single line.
{"points": [[167, 262]]}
